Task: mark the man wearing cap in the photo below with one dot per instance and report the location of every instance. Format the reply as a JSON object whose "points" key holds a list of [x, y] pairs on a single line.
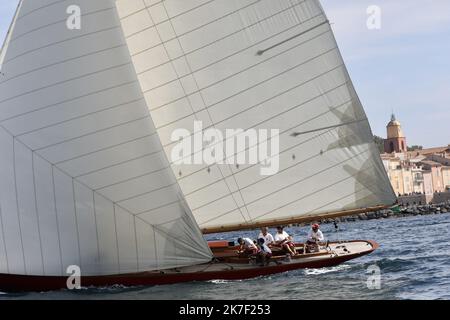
{"points": [[314, 237]]}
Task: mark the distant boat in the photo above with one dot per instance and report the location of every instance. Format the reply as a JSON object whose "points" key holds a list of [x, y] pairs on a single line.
{"points": [[86, 118]]}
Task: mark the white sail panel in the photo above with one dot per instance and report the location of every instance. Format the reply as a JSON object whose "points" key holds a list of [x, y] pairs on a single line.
{"points": [[81, 158], [256, 64]]}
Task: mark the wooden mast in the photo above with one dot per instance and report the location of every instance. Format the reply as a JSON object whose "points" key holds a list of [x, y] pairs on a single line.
{"points": [[303, 219]]}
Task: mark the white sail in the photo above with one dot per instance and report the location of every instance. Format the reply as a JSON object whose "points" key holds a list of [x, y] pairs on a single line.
{"points": [[260, 64], [83, 176]]}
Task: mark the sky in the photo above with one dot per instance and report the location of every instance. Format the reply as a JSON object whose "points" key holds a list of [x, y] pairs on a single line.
{"points": [[403, 66]]}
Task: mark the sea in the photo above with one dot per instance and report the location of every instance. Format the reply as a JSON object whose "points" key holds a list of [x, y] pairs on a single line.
{"points": [[413, 262]]}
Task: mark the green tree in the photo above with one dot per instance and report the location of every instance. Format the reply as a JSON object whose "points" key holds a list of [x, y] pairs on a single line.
{"points": [[379, 143], [415, 147]]}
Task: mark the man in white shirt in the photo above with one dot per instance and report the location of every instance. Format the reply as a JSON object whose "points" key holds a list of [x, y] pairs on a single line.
{"points": [[268, 238], [315, 236], [246, 246], [284, 240], [264, 251]]}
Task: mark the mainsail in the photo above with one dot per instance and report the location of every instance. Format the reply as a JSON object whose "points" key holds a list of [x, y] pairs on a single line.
{"points": [[83, 177], [257, 64]]}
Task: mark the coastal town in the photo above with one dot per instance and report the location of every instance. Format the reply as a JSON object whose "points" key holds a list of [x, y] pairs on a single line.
{"points": [[418, 176]]}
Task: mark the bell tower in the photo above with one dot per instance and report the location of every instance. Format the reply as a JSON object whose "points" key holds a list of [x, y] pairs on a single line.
{"points": [[396, 141]]}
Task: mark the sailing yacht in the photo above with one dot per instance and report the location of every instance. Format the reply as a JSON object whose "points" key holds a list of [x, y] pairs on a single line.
{"points": [[86, 117]]}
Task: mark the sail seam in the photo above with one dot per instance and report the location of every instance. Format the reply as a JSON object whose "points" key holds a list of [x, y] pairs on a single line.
{"points": [[76, 222], [59, 42], [56, 215], [248, 88], [121, 163], [218, 40], [288, 186], [91, 133], [40, 8], [176, 72], [65, 81], [57, 22], [244, 169], [61, 62], [290, 128], [68, 100], [3, 238], [260, 103], [240, 71], [105, 148], [17, 205], [176, 16], [207, 111], [95, 223]]}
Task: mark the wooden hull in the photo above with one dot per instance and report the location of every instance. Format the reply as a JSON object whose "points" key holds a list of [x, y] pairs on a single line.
{"points": [[205, 272]]}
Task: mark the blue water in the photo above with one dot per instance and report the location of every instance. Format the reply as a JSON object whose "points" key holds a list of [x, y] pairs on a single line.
{"points": [[414, 259]]}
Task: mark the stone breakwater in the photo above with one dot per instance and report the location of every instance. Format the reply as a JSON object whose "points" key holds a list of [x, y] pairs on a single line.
{"points": [[402, 211]]}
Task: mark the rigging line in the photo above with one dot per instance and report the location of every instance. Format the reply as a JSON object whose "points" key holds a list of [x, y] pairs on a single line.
{"points": [[106, 148], [185, 93], [75, 213], [127, 123], [145, 155], [261, 52], [246, 68], [296, 134]]}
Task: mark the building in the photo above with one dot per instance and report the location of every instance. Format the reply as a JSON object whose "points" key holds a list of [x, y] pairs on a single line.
{"points": [[436, 174], [396, 140], [446, 177], [417, 176]]}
